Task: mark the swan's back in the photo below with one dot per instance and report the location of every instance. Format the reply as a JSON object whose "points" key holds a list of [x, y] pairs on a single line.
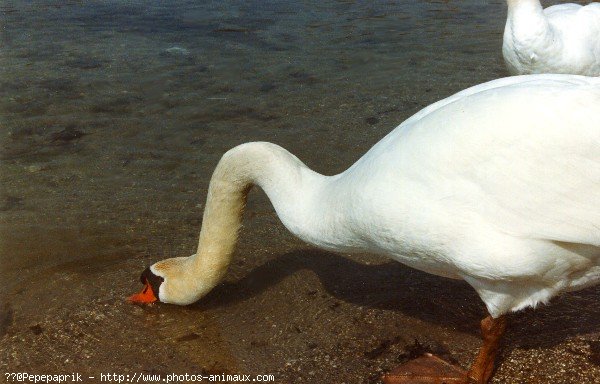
{"points": [[577, 26], [562, 11], [520, 154], [566, 11]]}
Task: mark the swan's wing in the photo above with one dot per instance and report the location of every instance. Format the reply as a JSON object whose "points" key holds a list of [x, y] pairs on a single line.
{"points": [[523, 154], [548, 189], [571, 9], [534, 167]]}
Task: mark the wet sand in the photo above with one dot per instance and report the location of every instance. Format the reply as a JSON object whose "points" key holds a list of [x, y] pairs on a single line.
{"points": [[114, 116]]}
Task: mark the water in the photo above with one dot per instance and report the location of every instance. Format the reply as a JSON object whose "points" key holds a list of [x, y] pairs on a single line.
{"points": [[114, 114]]}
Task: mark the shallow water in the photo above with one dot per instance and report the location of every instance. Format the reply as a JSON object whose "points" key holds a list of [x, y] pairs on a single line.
{"points": [[114, 115], [114, 112]]}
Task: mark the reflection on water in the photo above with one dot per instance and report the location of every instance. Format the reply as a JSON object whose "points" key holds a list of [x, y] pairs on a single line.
{"points": [[114, 114]]}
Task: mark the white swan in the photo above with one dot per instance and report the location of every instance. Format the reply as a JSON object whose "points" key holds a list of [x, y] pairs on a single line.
{"points": [[498, 185], [563, 38]]}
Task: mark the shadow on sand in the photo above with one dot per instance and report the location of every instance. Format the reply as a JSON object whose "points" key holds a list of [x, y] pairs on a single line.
{"points": [[393, 286]]}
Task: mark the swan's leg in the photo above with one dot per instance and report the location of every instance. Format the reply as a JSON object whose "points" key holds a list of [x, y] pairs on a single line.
{"points": [[483, 366], [430, 369]]}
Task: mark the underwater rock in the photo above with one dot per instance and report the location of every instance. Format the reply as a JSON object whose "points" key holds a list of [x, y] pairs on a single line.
{"points": [[304, 77], [119, 105], [372, 120], [175, 51], [59, 85], [68, 134], [34, 168], [267, 87], [11, 202], [85, 63]]}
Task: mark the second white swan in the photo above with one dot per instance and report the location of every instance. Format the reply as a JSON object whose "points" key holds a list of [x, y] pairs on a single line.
{"points": [[562, 38]]}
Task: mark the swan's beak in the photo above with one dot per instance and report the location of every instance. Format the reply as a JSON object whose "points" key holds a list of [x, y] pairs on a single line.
{"points": [[146, 296], [151, 291]]}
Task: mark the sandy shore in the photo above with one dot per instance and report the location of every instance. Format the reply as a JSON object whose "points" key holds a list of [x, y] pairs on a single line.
{"points": [[300, 314]]}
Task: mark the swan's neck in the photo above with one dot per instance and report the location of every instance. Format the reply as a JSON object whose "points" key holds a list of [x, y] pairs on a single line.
{"points": [[523, 4], [295, 191], [527, 26], [526, 12]]}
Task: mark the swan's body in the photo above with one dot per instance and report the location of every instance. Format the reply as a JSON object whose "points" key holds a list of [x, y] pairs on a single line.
{"points": [[498, 185], [562, 38]]}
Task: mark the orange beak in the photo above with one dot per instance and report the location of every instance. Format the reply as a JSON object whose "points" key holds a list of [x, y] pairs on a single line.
{"points": [[145, 297]]}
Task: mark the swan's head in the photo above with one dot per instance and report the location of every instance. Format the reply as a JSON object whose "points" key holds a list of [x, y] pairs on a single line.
{"points": [[171, 281]]}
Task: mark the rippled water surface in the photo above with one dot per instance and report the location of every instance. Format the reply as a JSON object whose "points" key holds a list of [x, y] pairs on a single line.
{"points": [[114, 114]]}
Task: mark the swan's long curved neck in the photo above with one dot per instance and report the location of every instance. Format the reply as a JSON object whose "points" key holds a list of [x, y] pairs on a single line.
{"points": [[526, 23], [296, 192]]}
